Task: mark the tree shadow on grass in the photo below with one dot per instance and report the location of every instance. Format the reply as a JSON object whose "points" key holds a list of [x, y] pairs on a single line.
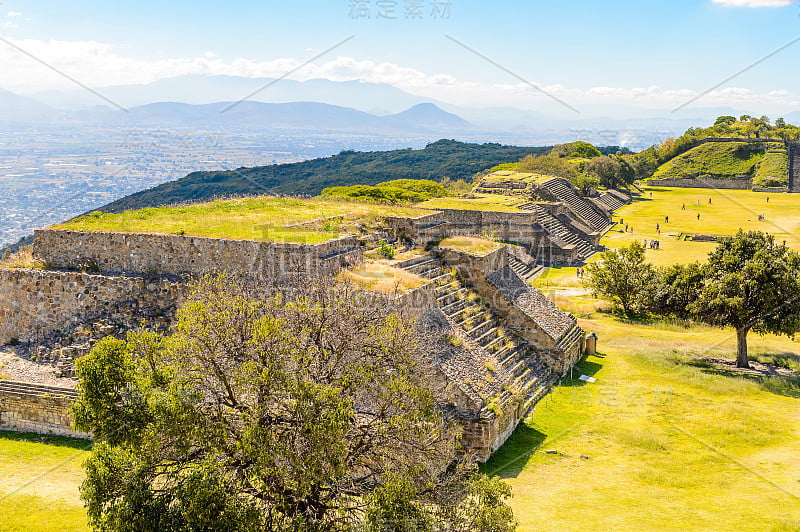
{"points": [[784, 385], [510, 459], [58, 441]]}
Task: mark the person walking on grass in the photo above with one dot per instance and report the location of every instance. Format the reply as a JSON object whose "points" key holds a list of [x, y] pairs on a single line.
{"points": [[666, 219], [658, 228], [683, 207], [698, 216]]}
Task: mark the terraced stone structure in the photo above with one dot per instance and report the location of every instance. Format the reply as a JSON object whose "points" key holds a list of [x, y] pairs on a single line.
{"points": [[553, 222], [501, 344]]}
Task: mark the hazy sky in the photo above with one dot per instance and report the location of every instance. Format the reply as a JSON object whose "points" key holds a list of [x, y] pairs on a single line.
{"points": [[644, 53]]}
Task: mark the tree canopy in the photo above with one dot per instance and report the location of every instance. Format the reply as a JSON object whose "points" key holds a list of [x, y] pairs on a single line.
{"points": [[749, 283], [311, 408]]}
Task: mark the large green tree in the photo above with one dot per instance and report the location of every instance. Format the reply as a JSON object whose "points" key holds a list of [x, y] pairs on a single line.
{"points": [[314, 408], [623, 276], [751, 284]]}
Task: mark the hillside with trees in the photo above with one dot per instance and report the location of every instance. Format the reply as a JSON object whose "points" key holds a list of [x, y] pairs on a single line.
{"points": [[445, 160], [584, 165]]}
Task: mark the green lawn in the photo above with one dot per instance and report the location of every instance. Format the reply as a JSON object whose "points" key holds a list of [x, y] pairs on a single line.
{"points": [[39, 480], [729, 210], [259, 218], [661, 441]]}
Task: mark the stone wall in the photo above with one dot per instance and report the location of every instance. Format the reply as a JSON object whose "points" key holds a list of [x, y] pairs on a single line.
{"points": [[739, 183], [36, 302], [474, 267], [177, 255], [39, 409], [515, 227]]}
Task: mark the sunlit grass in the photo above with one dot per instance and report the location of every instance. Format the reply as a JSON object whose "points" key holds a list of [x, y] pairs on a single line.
{"points": [[260, 218], [382, 277], [39, 480], [477, 202], [470, 244], [728, 211], [668, 443]]}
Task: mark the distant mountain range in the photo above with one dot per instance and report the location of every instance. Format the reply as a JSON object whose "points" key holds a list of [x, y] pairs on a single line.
{"points": [[21, 109], [377, 100], [307, 116]]}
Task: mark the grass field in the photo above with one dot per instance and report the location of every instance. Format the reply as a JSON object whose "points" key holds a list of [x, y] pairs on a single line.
{"points": [[662, 441], [260, 218], [729, 210], [477, 202], [39, 480]]}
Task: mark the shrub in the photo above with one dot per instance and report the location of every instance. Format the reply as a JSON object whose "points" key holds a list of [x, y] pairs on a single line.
{"points": [[386, 251]]}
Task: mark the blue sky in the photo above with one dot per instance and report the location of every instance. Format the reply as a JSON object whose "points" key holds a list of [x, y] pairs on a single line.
{"points": [[654, 53]]}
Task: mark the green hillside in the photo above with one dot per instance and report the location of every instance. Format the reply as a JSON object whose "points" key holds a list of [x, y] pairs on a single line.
{"points": [[727, 160], [438, 161]]}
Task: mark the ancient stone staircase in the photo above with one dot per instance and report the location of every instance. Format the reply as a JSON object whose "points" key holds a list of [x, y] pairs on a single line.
{"points": [[612, 201], [794, 166], [559, 188], [532, 378], [527, 273], [554, 226]]}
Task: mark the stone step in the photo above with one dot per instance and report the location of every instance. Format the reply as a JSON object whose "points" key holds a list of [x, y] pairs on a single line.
{"points": [[578, 205], [25, 388]]}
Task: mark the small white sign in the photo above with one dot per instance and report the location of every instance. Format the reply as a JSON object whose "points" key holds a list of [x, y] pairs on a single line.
{"points": [[587, 378]]}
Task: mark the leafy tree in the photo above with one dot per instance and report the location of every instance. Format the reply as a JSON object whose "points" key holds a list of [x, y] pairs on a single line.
{"points": [[623, 276], [585, 183], [751, 283], [548, 165], [612, 171], [576, 149], [675, 290], [307, 408]]}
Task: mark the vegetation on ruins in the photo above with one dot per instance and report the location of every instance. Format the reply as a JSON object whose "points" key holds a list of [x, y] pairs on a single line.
{"points": [[445, 160], [282, 409], [727, 160], [475, 245], [749, 283], [259, 218], [22, 258], [648, 161], [392, 192], [581, 163], [383, 278]]}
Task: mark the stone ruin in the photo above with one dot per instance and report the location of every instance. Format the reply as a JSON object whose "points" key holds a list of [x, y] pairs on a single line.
{"points": [[503, 344]]}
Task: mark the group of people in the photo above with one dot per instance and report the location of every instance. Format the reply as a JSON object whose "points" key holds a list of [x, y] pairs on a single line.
{"points": [[654, 244], [579, 272], [761, 217]]}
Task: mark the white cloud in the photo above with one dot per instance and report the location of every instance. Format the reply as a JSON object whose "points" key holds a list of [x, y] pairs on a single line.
{"points": [[12, 14], [754, 3], [98, 65]]}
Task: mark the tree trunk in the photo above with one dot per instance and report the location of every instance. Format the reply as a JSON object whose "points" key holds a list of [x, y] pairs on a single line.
{"points": [[741, 349]]}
